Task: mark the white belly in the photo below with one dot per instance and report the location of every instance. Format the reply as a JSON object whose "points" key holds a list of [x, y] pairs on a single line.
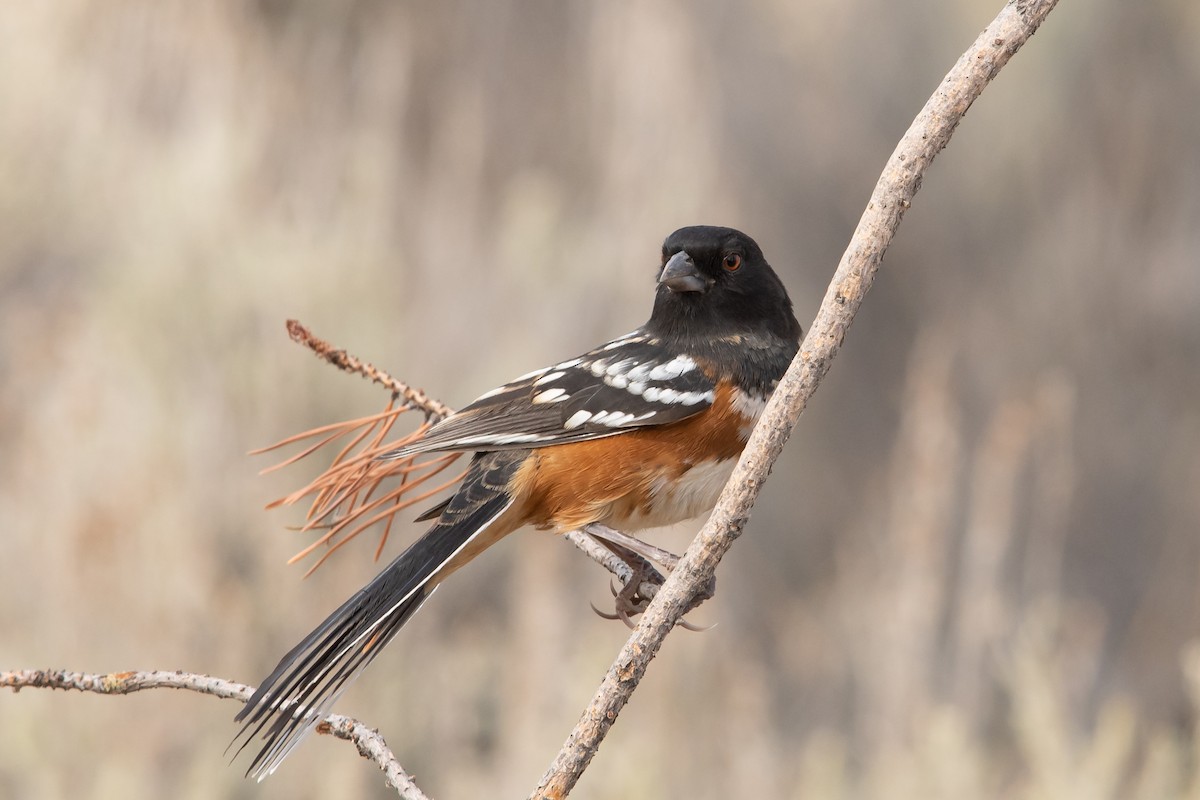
{"points": [[693, 494]]}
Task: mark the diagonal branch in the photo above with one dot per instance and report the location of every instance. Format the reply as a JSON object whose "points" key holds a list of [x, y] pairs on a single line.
{"points": [[901, 178]]}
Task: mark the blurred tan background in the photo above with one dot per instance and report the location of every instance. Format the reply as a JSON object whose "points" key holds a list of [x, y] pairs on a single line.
{"points": [[974, 572]]}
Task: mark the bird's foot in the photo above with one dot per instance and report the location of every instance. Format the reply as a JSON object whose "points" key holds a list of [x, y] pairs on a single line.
{"points": [[644, 580]]}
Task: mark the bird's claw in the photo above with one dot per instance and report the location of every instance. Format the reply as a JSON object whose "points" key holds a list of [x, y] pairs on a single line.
{"points": [[687, 626], [629, 603]]}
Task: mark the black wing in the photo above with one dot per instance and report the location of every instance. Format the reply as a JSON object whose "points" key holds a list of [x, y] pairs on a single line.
{"points": [[632, 381]]}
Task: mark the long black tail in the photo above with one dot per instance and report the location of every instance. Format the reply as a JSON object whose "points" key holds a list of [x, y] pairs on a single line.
{"points": [[308, 680]]}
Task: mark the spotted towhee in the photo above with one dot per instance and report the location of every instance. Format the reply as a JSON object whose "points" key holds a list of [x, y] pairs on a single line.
{"points": [[639, 432]]}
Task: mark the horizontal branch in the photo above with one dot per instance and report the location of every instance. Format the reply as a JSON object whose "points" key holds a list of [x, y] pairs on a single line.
{"points": [[369, 742]]}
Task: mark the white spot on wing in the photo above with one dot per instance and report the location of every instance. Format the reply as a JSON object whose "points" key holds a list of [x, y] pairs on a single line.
{"points": [[616, 381], [671, 369], [621, 366], [553, 376], [642, 371], [656, 394], [574, 362], [533, 374], [505, 438], [493, 392], [618, 419], [625, 339], [577, 419], [692, 398], [555, 395]]}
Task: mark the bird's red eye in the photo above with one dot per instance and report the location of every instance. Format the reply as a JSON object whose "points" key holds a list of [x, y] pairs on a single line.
{"points": [[733, 262]]}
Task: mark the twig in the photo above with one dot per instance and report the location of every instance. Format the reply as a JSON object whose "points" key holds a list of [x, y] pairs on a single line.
{"points": [[369, 743], [371, 746], [340, 497], [344, 361], [901, 178]]}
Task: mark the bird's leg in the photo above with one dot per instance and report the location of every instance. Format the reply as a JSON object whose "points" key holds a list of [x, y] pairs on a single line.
{"points": [[645, 550]]}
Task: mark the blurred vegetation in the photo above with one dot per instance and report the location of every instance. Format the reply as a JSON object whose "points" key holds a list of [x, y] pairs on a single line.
{"points": [[974, 573]]}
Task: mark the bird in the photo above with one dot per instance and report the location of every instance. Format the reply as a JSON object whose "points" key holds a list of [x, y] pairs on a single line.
{"points": [[639, 432]]}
